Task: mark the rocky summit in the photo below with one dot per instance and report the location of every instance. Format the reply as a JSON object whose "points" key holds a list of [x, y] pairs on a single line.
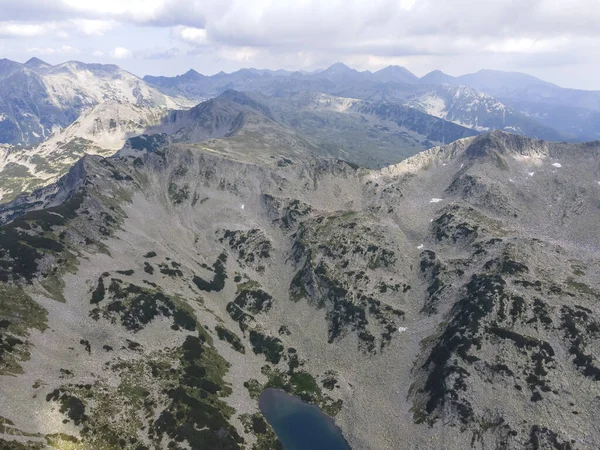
{"points": [[448, 301]]}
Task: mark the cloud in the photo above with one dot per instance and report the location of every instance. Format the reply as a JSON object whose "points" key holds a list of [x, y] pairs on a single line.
{"points": [[426, 33], [157, 53], [60, 29], [97, 53], [290, 23], [528, 45], [63, 50], [34, 10], [191, 35], [24, 30], [89, 27], [146, 12], [121, 53], [243, 54]]}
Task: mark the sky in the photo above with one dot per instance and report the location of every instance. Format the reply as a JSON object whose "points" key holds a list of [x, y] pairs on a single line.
{"points": [[556, 40]]}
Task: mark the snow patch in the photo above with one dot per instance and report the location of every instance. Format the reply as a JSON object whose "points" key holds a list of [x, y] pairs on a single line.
{"points": [[433, 105], [531, 174], [420, 247], [436, 200], [557, 165], [402, 329], [243, 206]]}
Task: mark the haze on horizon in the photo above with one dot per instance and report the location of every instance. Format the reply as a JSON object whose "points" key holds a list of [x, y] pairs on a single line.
{"points": [[169, 37]]}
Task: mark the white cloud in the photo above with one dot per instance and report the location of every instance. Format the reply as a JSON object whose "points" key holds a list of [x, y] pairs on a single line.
{"points": [[528, 45], [93, 27], [192, 35], [121, 53], [97, 53], [151, 12], [157, 53], [23, 30], [243, 54], [457, 35], [63, 50], [61, 29]]}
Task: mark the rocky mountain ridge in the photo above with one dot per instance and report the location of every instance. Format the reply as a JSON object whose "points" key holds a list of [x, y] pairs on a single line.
{"points": [[437, 302], [533, 107], [371, 135], [40, 101], [37, 99], [101, 130]]}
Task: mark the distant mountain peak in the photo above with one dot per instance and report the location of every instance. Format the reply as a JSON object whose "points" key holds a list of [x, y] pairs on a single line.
{"points": [[394, 68], [243, 98], [232, 94], [498, 142], [436, 72], [437, 77], [8, 64], [192, 75], [339, 66], [36, 63], [96, 68], [395, 73], [493, 79], [341, 72]]}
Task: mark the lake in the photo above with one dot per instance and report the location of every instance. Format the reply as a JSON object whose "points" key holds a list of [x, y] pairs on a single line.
{"points": [[298, 425]]}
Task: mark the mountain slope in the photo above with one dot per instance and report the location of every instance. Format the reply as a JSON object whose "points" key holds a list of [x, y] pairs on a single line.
{"points": [[396, 74], [370, 135], [190, 85], [409, 118], [101, 130], [478, 111], [571, 112], [289, 126], [438, 298], [575, 124], [37, 100], [27, 113], [437, 77], [436, 93], [526, 88]]}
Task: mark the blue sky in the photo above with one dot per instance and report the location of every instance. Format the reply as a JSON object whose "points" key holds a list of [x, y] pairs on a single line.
{"points": [[556, 40]]}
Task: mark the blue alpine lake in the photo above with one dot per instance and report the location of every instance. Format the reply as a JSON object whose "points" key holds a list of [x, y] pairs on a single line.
{"points": [[298, 425]]}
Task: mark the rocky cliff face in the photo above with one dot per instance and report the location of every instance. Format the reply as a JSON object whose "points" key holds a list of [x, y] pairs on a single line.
{"points": [[151, 296]]}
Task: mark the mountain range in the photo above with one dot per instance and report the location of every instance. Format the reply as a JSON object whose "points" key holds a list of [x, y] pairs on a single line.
{"points": [[37, 99], [52, 115], [391, 249], [149, 297], [486, 100]]}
